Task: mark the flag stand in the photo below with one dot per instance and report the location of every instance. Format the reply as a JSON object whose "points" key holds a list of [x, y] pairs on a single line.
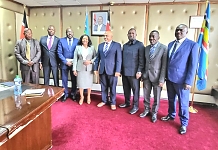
{"points": [[191, 108]]}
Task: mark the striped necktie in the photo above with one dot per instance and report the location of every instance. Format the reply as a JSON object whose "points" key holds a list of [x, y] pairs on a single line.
{"points": [[151, 53], [174, 49], [105, 49]]}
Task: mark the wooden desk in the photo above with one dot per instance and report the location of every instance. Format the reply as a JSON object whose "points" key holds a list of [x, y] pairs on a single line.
{"points": [[28, 128]]}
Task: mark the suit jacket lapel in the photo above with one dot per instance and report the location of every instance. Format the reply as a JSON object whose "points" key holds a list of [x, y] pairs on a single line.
{"points": [[54, 42], [181, 46], [179, 49], [157, 49], [111, 45]]}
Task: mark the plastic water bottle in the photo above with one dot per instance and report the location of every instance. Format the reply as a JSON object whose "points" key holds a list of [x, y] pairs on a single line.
{"points": [[17, 91]]}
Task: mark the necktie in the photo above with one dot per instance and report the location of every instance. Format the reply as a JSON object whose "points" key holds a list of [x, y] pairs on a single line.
{"points": [[28, 50], [174, 49], [49, 43], [151, 53], [105, 49], [70, 43], [99, 28]]}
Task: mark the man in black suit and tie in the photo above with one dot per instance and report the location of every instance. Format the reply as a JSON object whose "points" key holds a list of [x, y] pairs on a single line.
{"points": [[154, 73], [49, 58], [132, 65]]}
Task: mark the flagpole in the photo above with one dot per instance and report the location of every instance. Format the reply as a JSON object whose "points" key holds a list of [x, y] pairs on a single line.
{"points": [[191, 108]]}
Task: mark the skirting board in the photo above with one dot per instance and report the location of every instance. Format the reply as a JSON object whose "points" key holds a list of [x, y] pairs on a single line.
{"points": [[197, 97]]}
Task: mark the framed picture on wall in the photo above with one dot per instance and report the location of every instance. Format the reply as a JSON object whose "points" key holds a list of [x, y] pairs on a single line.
{"points": [[98, 22], [195, 22]]}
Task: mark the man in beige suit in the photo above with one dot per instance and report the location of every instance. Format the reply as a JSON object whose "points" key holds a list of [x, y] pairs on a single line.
{"points": [[28, 52], [154, 73]]}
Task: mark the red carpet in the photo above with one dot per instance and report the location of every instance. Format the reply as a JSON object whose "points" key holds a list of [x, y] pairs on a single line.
{"points": [[88, 127]]}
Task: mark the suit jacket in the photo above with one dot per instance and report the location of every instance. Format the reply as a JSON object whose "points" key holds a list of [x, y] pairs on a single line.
{"points": [[35, 54], [133, 60], [65, 52], [78, 59], [111, 62], [49, 57], [103, 27], [182, 67], [155, 68]]}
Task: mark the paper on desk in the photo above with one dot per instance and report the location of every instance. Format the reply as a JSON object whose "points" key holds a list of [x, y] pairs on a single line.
{"points": [[33, 92]]}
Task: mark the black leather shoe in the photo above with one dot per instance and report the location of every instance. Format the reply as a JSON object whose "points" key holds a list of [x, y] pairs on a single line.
{"points": [[124, 105], [133, 110], [182, 130], [64, 98], [167, 118], [73, 97], [144, 114], [154, 118]]}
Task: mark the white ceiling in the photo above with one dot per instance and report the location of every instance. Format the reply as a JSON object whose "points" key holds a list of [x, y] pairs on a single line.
{"points": [[33, 3]]}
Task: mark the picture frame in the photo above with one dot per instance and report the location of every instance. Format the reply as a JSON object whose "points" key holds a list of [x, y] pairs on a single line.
{"points": [[98, 22], [195, 22]]}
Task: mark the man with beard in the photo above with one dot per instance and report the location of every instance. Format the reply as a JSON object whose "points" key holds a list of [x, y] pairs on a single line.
{"points": [[49, 58], [66, 48], [132, 65], [181, 69]]}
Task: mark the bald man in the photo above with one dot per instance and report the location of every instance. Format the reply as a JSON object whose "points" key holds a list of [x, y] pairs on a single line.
{"points": [[108, 60]]}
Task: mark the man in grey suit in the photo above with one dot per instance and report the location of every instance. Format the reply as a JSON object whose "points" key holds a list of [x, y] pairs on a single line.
{"points": [[154, 74], [28, 52], [132, 65], [100, 26], [49, 57]]}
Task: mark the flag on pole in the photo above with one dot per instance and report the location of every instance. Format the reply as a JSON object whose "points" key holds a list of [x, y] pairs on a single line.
{"points": [[86, 31], [203, 41], [24, 25], [108, 26]]}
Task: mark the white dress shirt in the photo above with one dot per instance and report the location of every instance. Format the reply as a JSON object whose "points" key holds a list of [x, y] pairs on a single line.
{"points": [[178, 45]]}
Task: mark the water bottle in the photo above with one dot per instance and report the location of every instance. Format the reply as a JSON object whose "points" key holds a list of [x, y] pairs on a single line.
{"points": [[17, 91]]}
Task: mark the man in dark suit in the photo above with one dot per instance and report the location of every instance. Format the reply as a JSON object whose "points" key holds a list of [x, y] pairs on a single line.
{"points": [[132, 65], [28, 52], [154, 73], [110, 58], [181, 69], [100, 26], [66, 48], [49, 58]]}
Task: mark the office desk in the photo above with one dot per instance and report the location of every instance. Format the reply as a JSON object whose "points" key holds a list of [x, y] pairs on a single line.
{"points": [[28, 128]]}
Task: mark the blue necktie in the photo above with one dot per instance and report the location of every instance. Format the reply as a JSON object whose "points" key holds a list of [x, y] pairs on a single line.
{"points": [[70, 44], [174, 49], [105, 49], [151, 52]]}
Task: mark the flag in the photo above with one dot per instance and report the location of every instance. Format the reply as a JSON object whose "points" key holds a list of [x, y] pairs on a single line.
{"points": [[86, 31], [108, 26], [95, 19], [203, 41], [24, 25]]}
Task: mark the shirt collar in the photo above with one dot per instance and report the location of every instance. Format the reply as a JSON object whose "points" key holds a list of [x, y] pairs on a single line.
{"points": [[155, 45], [109, 42], [51, 37], [181, 40], [132, 42]]}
